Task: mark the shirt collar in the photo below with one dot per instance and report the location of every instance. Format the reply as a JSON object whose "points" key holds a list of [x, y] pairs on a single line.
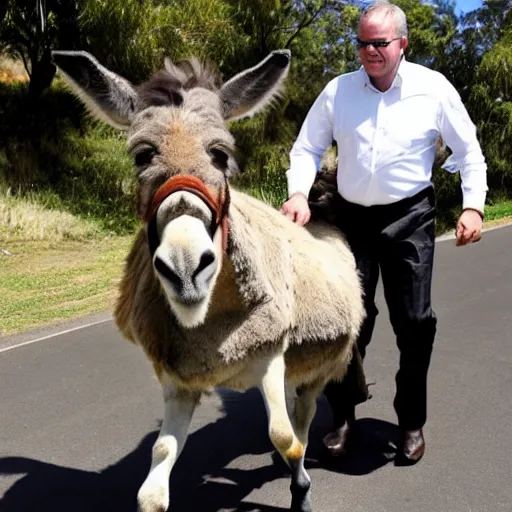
{"points": [[397, 81]]}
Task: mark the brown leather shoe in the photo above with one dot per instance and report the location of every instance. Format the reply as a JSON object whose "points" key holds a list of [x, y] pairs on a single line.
{"points": [[337, 441], [413, 447]]}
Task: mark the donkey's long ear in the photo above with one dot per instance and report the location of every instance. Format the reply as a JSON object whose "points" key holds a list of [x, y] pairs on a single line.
{"points": [[253, 89], [107, 95]]}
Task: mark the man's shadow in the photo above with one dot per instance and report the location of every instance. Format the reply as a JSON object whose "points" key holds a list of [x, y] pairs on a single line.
{"points": [[203, 478]]}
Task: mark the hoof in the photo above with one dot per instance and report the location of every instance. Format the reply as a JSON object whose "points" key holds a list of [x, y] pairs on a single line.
{"points": [[301, 504], [152, 498], [301, 494]]}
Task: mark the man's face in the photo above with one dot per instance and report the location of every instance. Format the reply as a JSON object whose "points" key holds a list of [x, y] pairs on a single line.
{"points": [[379, 62]]}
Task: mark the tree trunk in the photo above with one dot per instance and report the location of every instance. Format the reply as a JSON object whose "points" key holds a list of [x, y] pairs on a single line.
{"points": [[43, 71]]}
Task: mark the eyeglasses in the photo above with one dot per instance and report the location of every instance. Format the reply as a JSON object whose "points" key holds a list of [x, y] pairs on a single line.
{"points": [[375, 44]]}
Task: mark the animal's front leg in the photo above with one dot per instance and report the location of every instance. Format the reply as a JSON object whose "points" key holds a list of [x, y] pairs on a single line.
{"points": [[153, 496], [282, 434]]}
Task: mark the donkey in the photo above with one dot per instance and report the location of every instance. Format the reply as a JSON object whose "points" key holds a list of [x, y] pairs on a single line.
{"points": [[219, 288]]}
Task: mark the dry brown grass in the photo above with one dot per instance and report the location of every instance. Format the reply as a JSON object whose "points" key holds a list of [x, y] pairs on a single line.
{"points": [[25, 219], [503, 221], [12, 70], [53, 266]]}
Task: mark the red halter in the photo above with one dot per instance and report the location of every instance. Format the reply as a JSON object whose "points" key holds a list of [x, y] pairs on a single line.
{"points": [[195, 186]]}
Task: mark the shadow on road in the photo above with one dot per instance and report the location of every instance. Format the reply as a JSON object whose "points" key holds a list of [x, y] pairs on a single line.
{"points": [[203, 479]]}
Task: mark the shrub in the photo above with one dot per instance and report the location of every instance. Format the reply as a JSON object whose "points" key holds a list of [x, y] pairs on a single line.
{"points": [[50, 148]]}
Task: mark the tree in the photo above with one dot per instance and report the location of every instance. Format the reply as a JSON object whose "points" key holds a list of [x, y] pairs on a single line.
{"points": [[31, 28], [491, 104], [477, 32], [147, 31], [431, 28]]}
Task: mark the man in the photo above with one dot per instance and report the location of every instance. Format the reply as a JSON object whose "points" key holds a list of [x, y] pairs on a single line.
{"points": [[386, 118]]}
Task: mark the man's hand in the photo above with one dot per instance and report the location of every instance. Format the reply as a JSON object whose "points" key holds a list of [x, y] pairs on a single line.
{"points": [[469, 227], [297, 209]]}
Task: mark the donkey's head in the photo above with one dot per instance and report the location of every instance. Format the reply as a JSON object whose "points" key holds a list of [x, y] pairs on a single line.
{"points": [[183, 154]]}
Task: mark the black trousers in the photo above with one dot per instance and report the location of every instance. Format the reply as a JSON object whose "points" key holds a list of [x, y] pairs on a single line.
{"points": [[398, 241]]}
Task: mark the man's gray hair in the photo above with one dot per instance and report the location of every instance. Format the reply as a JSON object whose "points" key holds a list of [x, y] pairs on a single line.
{"points": [[385, 7]]}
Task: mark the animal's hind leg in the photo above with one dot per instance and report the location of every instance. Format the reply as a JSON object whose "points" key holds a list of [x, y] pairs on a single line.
{"points": [[305, 409], [282, 434], [153, 496]]}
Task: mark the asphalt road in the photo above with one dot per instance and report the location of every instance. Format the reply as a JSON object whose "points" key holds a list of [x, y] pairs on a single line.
{"points": [[79, 412]]}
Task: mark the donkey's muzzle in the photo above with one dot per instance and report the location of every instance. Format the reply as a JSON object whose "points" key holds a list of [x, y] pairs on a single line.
{"points": [[193, 185]]}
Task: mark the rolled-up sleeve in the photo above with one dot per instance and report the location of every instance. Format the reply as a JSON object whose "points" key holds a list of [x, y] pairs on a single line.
{"points": [[459, 133], [315, 136]]}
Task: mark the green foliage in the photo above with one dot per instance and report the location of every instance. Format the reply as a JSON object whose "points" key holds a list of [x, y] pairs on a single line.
{"points": [[429, 30], [147, 31], [478, 31], [51, 147], [30, 29], [263, 164], [448, 199], [498, 209], [491, 105], [49, 150]]}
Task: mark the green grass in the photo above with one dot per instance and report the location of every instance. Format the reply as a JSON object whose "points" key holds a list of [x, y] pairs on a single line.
{"points": [[46, 282], [53, 154], [54, 265], [498, 210], [272, 190]]}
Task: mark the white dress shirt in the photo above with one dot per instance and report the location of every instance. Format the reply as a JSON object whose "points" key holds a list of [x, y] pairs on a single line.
{"points": [[387, 140]]}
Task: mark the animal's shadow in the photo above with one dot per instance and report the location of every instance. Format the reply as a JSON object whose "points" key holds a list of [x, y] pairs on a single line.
{"points": [[203, 479]]}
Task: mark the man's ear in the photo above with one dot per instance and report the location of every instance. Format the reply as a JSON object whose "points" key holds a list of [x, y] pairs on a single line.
{"points": [[108, 96], [403, 44]]}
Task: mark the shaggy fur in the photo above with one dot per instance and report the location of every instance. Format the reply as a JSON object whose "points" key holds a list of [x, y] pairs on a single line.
{"points": [[275, 302], [272, 266]]}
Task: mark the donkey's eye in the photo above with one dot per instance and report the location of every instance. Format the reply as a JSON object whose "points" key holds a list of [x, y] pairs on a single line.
{"points": [[219, 158], [144, 156]]}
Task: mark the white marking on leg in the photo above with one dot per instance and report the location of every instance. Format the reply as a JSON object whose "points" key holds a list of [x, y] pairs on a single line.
{"points": [[280, 428], [282, 433], [305, 409], [153, 496]]}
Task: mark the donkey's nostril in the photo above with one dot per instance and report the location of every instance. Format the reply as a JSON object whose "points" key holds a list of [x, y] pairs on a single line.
{"points": [[207, 258], [170, 275]]}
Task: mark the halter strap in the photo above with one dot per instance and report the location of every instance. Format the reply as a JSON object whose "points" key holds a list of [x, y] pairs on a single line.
{"points": [[194, 186]]}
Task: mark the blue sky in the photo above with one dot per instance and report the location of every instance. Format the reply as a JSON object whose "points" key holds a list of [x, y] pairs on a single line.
{"points": [[467, 5]]}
